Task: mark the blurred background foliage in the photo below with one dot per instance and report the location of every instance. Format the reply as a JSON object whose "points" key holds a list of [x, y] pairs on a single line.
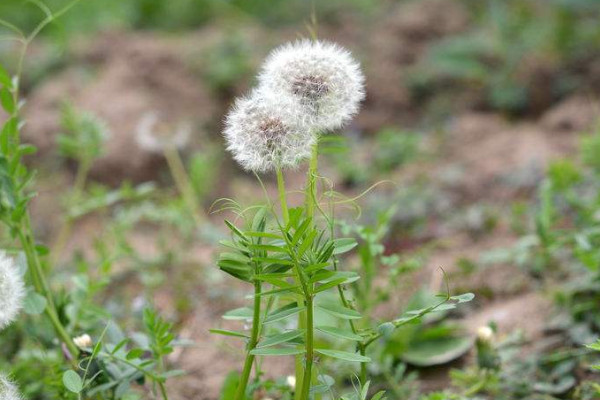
{"points": [[173, 15]]}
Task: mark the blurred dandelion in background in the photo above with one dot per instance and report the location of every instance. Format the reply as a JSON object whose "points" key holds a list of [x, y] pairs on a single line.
{"points": [[8, 390], [155, 136], [12, 291]]}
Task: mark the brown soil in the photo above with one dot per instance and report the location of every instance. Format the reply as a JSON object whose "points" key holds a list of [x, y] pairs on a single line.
{"points": [[121, 85], [398, 41]]}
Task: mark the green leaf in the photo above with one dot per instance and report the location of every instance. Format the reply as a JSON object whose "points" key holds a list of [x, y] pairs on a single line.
{"points": [[267, 247], [273, 260], [7, 101], [290, 289], [260, 220], [343, 355], [72, 381], [300, 231], [283, 312], [266, 235], [280, 338], [340, 333], [344, 245], [379, 396], [463, 298], [173, 373], [226, 332], [34, 303], [594, 346], [339, 311], [329, 285], [134, 353], [316, 267], [27, 149], [230, 385], [428, 353], [242, 313], [5, 78], [42, 250], [283, 351], [237, 269], [306, 243], [235, 230]]}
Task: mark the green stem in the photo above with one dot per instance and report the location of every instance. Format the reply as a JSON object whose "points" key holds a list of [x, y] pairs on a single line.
{"points": [[307, 377], [182, 181], [163, 390], [41, 284], [244, 378], [159, 380], [363, 366], [311, 192], [282, 196], [299, 358], [65, 229]]}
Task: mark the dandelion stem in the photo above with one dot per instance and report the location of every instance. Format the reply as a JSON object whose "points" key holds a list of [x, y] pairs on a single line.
{"points": [[282, 197], [244, 378], [305, 319], [311, 193], [307, 378]]}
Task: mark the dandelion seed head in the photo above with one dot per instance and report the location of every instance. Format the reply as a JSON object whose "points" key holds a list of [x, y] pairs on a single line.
{"points": [[8, 390], [322, 77], [12, 291], [153, 136], [263, 132]]}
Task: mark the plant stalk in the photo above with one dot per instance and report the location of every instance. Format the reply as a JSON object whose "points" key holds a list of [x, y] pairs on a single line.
{"points": [[67, 225], [245, 377], [311, 192], [182, 181], [307, 377], [41, 284], [282, 196]]}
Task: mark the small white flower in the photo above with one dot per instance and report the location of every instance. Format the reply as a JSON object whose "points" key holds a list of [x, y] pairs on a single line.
{"points": [[485, 334], [322, 77], [291, 381], [8, 390], [263, 132], [154, 137], [12, 291], [84, 341]]}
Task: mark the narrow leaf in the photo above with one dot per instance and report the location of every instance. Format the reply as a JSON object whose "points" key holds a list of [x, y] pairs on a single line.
{"points": [[283, 351], [280, 338], [343, 355], [340, 333], [339, 311]]}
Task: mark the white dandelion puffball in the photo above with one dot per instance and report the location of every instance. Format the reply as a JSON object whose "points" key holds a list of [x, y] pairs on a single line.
{"points": [[263, 133], [322, 77], [8, 390], [12, 291]]}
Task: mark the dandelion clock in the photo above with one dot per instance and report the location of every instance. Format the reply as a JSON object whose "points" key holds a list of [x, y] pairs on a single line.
{"points": [[321, 77]]}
